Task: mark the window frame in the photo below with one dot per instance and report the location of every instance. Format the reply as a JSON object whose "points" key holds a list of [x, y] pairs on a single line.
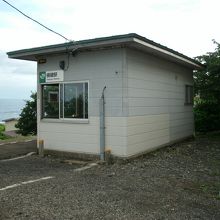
{"points": [[61, 86], [189, 97]]}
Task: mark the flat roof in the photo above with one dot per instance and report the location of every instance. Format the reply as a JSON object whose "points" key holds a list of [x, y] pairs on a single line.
{"points": [[131, 40]]}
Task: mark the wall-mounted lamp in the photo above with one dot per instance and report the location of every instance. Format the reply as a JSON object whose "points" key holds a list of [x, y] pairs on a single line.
{"points": [[62, 65]]}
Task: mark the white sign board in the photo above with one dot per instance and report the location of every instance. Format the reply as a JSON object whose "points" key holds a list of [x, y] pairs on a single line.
{"points": [[54, 76]]}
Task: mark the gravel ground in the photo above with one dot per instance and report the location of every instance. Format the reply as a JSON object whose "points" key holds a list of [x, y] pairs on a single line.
{"points": [[177, 182]]}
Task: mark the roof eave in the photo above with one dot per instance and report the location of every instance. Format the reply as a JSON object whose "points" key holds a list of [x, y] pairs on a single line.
{"points": [[33, 53], [168, 54], [137, 41]]}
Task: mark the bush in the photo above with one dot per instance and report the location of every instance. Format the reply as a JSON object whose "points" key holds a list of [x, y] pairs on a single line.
{"points": [[27, 123], [2, 136], [207, 117], [207, 91], [2, 127]]}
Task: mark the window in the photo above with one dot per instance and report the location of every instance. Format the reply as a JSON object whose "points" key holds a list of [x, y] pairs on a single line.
{"points": [[50, 107], [65, 100], [188, 95]]}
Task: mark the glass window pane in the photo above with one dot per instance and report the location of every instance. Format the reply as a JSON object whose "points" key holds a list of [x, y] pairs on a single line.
{"points": [[61, 100], [86, 100], [70, 93], [50, 105], [188, 94], [75, 101], [79, 101]]}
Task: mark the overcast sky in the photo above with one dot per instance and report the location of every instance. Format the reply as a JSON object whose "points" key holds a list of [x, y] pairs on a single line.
{"points": [[187, 26]]}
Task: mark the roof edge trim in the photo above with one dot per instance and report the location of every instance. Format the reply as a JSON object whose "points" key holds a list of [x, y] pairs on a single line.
{"points": [[126, 38], [175, 55]]}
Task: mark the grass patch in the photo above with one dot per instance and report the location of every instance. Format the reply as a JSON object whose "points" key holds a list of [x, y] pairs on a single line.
{"points": [[2, 129], [3, 136], [5, 139], [18, 138]]}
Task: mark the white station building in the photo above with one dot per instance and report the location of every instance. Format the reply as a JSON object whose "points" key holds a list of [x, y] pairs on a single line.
{"points": [[123, 93]]}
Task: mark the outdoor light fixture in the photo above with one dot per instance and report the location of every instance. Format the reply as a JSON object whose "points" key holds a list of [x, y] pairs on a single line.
{"points": [[62, 65], [42, 61]]}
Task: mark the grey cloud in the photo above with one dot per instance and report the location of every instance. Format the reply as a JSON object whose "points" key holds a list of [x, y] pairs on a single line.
{"points": [[12, 66]]}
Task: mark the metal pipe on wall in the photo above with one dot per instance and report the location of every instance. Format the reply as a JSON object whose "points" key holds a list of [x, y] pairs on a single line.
{"points": [[102, 124]]}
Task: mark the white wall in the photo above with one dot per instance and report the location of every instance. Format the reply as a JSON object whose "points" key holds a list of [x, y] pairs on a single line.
{"points": [[156, 95], [84, 138], [100, 68], [144, 103]]}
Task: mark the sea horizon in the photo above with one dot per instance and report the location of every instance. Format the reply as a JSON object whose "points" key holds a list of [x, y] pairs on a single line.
{"points": [[10, 108]]}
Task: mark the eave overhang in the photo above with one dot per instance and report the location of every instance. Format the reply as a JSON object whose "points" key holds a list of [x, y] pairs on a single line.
{"points": [[133, 41]]}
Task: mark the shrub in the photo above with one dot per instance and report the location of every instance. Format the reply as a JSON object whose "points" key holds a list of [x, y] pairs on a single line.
{"points": [[2, 136], [207, 117], [207, 91], [27, 123], [2, 127]]}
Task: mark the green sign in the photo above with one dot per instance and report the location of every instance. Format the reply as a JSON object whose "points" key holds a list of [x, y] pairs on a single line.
{"points": [[42, 77]]}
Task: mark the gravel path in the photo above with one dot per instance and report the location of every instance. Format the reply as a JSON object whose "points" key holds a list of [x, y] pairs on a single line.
{"points": [[178, 182]]}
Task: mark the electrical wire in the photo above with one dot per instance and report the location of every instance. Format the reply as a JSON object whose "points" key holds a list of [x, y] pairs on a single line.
{"points": [[36, 21]]}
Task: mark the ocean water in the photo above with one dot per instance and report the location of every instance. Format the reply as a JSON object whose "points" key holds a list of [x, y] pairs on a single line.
{"points": [[10, 108]]}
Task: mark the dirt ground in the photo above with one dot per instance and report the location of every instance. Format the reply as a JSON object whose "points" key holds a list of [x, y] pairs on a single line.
{"points": [[15, 149], [177, 182]]}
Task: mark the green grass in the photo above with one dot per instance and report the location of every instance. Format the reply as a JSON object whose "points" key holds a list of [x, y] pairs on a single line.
{"points": [[2, 136], [2, 128], [5, 139], [18, 138]]}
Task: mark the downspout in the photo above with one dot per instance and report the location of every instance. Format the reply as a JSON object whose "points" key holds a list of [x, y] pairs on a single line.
{"points": [[102, 125]]}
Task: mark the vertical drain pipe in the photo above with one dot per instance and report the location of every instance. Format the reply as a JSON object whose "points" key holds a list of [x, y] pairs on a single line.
{"points": [[102, 125]]}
